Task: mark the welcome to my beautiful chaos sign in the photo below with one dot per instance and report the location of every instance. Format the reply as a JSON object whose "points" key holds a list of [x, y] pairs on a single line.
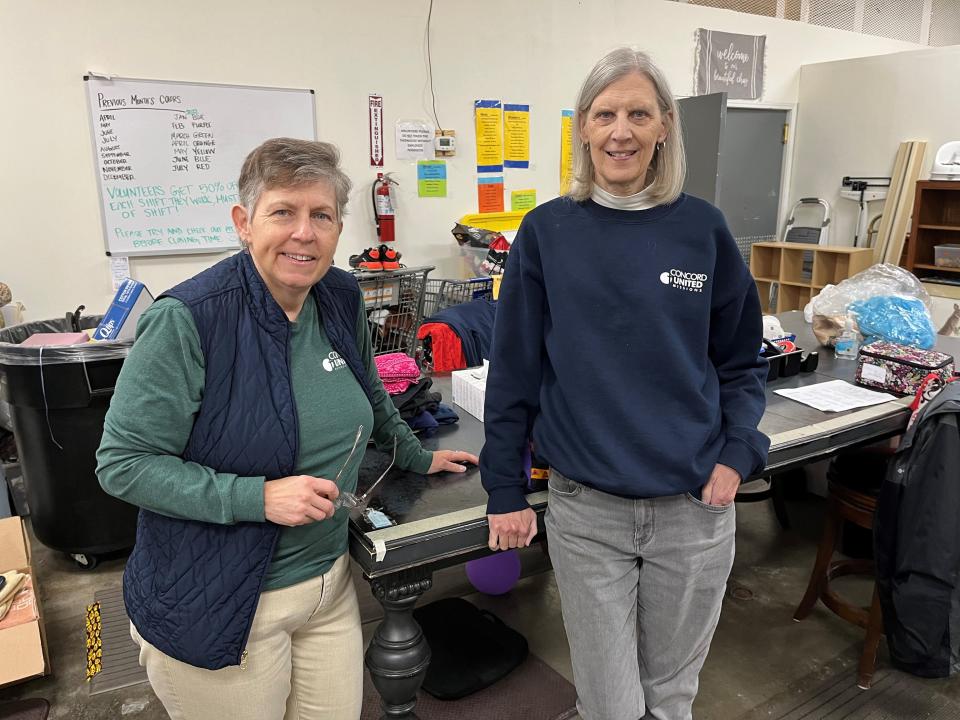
{"points": [[729, 63]]}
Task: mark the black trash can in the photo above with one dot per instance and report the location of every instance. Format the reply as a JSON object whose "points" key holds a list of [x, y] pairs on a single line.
{"points": [[58, 397]]}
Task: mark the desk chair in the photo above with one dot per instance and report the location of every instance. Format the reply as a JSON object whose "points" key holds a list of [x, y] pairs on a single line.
{"points": [[852, 500]]}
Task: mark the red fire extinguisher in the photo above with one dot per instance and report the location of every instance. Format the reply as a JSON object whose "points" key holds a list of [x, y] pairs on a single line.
{"points": [[384, 212]]}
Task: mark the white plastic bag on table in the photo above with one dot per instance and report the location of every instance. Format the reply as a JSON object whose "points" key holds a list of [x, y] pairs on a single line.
{"points": [[830, 306]]}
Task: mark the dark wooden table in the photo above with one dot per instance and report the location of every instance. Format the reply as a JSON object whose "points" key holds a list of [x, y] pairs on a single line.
{"points": [[441, 520]]}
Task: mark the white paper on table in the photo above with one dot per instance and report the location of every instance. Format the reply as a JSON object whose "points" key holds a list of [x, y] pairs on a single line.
{"points": [[835, 396]]}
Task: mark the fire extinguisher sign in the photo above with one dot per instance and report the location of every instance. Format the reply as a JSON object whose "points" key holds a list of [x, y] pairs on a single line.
{"points": [[376, 131]]}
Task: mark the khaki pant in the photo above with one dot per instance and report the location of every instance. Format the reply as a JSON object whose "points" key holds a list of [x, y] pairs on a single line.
{"points": [[304, 660]]}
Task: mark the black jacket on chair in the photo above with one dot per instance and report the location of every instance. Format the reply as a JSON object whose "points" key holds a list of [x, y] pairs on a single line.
{"points": [[917, 542]]}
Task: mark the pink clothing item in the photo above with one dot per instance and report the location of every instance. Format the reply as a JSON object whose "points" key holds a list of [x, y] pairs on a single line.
{"points": [[398, 371], [397, 366], [395, 388]]}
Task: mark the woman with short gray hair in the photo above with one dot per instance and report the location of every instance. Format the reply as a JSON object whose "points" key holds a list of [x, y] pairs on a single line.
{"points": [[626, 349], [237, 425]]}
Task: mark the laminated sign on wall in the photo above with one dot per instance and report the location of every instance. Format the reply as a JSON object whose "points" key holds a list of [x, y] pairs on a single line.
{"points": [[730, 63]]}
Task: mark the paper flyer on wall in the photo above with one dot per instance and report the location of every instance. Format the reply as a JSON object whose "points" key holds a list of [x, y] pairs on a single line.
{"points": [[516, 136], [490, 193], [432, 178], [523, 199], [414, 140], [119, 270], [566, 150], [488, 115]]}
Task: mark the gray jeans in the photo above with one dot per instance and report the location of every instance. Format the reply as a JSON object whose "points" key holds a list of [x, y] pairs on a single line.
{"points": [[641, 583]]}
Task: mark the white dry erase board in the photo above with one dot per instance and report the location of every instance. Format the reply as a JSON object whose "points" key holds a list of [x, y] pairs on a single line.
{"points": [[168, 155]]}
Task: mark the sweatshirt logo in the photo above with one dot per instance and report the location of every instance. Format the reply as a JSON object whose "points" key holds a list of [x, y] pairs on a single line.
{"points": [[333, 361], [683, 280]]}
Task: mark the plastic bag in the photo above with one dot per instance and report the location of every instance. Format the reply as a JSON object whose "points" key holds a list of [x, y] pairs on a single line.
{"points": [[469, 236], [12, 353], [831, 306], [894, 318], [879, 279], [484, 250]]}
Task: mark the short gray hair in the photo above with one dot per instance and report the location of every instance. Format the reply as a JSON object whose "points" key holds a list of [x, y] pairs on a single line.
{"points": [[288, 162], [668, 164]]}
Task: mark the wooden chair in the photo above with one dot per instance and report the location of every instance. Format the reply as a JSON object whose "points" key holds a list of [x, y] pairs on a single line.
{"points": [[855, 506]]}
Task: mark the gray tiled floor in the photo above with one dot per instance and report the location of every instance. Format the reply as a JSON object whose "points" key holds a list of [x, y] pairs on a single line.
{"points": [[758, 653]]}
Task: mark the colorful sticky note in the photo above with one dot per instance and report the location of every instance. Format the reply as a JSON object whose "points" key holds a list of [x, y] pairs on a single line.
{"points": [[566, 150], [516, 136], [432, 178], [489, 128], [523, 199], [490, 194]]}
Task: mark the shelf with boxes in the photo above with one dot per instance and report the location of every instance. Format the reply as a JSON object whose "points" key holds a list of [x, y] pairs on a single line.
{"points": [[934, 247], [789, 274]]}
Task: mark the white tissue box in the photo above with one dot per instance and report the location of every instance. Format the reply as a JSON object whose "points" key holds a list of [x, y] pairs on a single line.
{"points": [[469, 390]]}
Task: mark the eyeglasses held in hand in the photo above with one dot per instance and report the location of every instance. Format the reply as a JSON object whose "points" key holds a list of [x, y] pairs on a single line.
{"points": [[349, 500]]}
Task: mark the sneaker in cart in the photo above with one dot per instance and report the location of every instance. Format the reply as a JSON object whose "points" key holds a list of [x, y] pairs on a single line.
{"points": [[391, 258], [369, 259]]}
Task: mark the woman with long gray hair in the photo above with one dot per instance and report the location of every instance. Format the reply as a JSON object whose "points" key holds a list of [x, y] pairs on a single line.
{"points": [[626, 348]]}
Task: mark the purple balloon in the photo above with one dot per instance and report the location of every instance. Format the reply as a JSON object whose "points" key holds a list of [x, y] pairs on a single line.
{"points": [[495, 574]]}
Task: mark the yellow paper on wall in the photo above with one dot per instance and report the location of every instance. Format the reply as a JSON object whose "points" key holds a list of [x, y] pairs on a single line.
{"points": [[488, 115], [566, 150]]}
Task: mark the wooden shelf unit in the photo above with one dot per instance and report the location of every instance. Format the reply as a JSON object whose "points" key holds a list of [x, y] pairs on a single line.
{"points": [[799, 271], [936, 221]]}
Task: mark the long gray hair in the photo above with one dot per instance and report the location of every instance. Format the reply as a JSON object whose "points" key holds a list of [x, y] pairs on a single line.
{"points": [[668, 166]]}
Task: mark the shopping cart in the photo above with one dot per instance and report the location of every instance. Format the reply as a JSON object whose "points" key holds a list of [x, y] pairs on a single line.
{"points": [[393, 301], [440, 294]]}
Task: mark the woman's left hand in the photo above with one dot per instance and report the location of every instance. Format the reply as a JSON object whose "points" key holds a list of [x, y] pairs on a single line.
{"points": [[722, 486], [448, 461]]}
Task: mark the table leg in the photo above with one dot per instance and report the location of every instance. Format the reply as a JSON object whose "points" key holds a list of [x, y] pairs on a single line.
{"points": [[398, 654]]}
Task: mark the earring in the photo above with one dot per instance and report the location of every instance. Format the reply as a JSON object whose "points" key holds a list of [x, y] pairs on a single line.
{"points": [[660, 145]]}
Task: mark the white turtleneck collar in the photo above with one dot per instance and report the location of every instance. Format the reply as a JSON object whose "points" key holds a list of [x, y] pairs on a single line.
{"points": [[638, 201]]}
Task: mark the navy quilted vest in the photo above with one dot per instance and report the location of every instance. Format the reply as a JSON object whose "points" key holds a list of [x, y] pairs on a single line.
{"points": [[191, 588]]}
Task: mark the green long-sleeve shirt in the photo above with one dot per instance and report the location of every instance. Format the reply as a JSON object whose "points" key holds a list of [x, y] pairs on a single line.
{"points": [[159, 393]]}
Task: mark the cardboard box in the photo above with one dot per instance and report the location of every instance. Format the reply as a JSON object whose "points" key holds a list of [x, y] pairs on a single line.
{"points": [[23, 608], [57, 339], [23, 648], [120, 320], [469, 391]]}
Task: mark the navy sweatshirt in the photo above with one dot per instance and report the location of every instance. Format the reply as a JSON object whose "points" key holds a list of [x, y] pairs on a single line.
{"points": [[625, 345]]}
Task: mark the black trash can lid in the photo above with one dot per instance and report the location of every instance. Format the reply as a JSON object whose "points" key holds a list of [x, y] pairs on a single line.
{"points": [[13, 353]]}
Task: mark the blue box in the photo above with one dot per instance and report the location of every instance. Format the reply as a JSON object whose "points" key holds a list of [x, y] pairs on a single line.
{"points": [[120, 320]]}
